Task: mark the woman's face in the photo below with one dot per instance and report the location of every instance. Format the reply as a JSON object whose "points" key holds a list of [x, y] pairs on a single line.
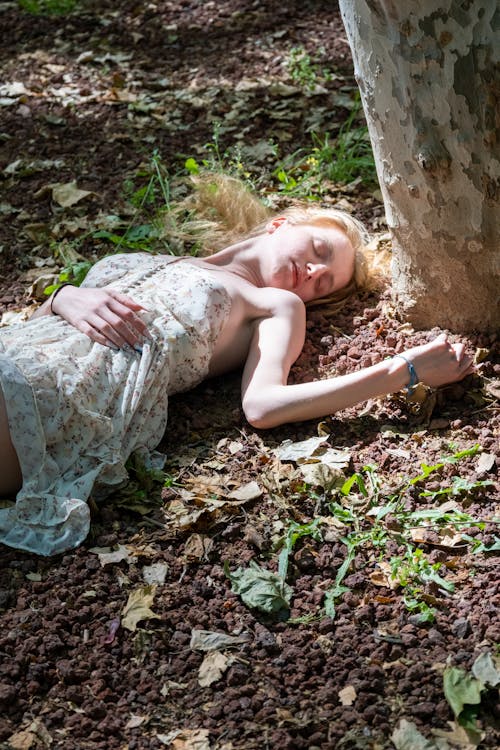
{"points": [[311, 260]]}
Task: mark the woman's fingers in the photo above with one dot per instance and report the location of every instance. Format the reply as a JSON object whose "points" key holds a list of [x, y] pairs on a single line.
{"points": [[121, 329], [440, 361], [101, 332], [115, 330], [94, 334], [106, 316], [459, 352], [115, 319], [125, 300]]}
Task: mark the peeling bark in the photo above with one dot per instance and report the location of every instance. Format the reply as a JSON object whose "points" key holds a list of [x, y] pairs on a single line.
{"points": [[429, 76]]}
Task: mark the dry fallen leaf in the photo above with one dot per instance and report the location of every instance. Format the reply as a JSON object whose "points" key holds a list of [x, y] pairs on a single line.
{"points": [[155, 573], [23, 740], [208, 640], [485, 669], [212, 668], [485, 463], [108, 555], [492, 388], [407, 737], [249, 491], [301, 450], [138, 606], [33, 736], [383, 577], [458, 738], [197, 547], [68, 194], [135, 721], [186, 739]]}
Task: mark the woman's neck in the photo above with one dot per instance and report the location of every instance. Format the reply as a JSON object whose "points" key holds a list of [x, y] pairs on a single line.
{"points": [[242, 259]]}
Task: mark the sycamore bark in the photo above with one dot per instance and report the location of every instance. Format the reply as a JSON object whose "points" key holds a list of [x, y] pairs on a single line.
{"points": [[429, 77]]}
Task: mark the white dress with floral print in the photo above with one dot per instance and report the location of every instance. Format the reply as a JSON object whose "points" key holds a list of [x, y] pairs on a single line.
{"points": [[77, 410]]}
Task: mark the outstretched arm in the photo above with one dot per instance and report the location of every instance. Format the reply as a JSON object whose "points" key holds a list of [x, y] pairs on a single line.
{"points": [[268, 401]]}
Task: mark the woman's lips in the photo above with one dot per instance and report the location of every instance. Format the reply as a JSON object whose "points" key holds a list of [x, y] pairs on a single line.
{"points": [[296, 275]]}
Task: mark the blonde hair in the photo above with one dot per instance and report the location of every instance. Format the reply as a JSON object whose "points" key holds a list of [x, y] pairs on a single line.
{"points": [[223, 211]]}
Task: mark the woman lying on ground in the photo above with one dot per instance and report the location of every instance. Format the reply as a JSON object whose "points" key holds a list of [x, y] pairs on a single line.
{"points": [[85, 383]]}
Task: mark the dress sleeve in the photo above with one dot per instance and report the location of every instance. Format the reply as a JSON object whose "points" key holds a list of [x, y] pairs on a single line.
{"points": [[113, 267]]}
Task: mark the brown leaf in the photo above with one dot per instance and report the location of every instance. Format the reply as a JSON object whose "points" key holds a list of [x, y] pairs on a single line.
{"points": [[138, 608], [186, 739], [213, 667], [459, 737], [197, 547], [382, 576], [249, 491]]}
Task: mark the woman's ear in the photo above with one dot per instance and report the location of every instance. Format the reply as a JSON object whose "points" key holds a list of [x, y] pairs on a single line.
{"points": [[275, 223]]}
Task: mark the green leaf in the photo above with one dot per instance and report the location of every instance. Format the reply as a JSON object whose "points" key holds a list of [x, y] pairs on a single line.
{"points": [[295, 532], [192, 166], [141, 232], [354, 479], [331, 596], [478, 546], [433, 575], [260, 588], [460, 689]]}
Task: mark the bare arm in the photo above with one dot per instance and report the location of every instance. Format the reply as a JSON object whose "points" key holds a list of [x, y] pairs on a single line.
{"points": [[106, 316], [268, 401]]}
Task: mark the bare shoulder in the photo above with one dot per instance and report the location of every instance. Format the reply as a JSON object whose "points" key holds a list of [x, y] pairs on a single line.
{"points": [[271, 302]]}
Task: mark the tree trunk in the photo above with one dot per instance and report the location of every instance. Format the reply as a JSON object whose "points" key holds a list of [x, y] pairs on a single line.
{"points": [[429, 77]]}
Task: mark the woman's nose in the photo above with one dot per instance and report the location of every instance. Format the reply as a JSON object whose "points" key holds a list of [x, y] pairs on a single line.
{"points": [[315, 269]]}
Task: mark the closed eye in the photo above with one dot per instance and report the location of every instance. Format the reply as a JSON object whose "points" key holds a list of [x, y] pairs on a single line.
{"points": [[319, 249], [322, 250]]}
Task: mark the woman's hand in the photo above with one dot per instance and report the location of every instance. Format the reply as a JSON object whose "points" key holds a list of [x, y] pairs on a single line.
{"points": [[106, 316], [440, 362]]}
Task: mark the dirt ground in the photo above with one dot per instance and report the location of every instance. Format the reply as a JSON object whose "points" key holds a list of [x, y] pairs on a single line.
{"points": [[99, 647]]}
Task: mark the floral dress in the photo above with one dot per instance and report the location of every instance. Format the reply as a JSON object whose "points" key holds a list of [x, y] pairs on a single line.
{"points": [[77, 410]]}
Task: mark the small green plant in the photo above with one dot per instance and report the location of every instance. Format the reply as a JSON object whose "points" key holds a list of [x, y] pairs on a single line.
{"points": [[150, 194], [301, 68], [376, 516], [340, 161], [228, 161], [304, 70], [412, 571], [48, 7], [75, 266], [295, 532]]}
